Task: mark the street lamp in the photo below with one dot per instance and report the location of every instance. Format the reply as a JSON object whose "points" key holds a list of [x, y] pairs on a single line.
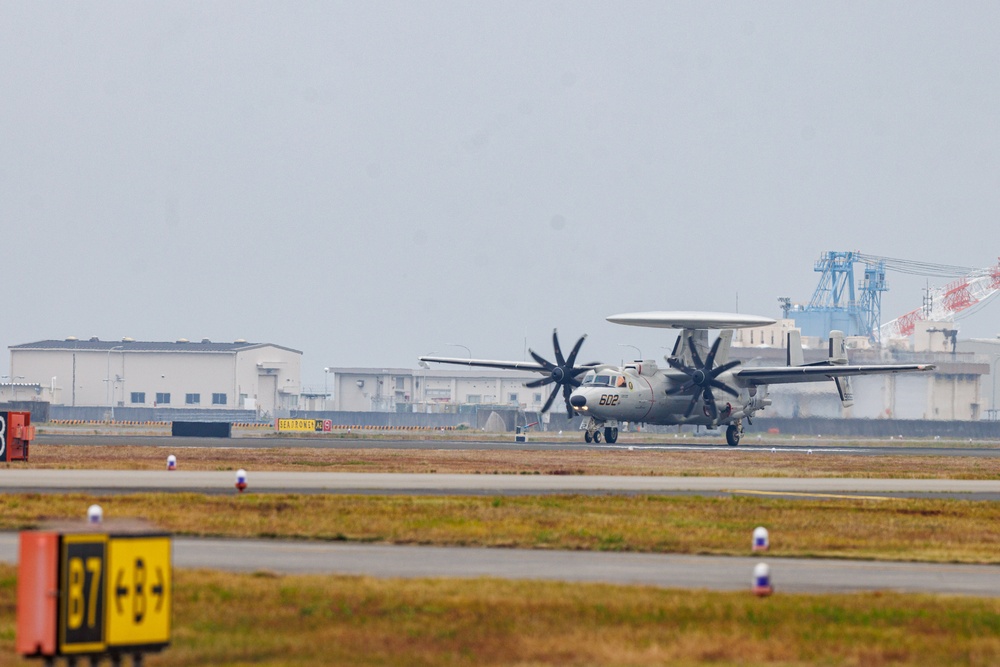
{"points": [[326, 391], [462, 346], [107, 393], [634, 348], [994, 410]]}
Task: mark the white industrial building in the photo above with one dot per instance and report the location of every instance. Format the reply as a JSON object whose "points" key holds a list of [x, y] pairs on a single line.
{"points": [[432, 390], [138, 374], [987, 349], [953, 391]]}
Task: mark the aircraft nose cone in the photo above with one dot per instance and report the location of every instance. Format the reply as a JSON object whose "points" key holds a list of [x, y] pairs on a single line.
{"points": [[578, 401]]}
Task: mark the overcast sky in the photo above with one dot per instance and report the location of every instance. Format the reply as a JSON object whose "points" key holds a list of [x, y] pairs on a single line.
{"points": [[371, 181]]}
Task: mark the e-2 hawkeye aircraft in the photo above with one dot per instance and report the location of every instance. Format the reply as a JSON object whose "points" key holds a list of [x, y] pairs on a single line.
{"points": [[699, 386]]}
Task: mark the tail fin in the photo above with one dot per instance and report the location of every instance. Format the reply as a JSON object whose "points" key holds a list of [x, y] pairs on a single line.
{"points": [[793, 349], [722, 356], [838, 349]]}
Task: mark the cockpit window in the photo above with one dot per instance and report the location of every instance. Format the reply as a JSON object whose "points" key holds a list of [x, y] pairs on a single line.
{"points": [[615, 380]]}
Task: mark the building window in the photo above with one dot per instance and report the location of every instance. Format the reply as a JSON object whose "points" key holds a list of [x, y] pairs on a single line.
{"points": [[400, 383], [512, 398], [138, 397], [163, 398], [192, 399], [218, 399], [474, 398], [538, 398]]}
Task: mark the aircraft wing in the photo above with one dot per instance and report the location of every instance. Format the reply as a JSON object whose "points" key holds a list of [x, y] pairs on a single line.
{"points": [[787, 374], [489, 363]]}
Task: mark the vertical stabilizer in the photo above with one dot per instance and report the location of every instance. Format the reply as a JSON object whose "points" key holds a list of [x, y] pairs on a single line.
{"points": [[722, 356], [682, 349], [838, 348], [793, 349]]}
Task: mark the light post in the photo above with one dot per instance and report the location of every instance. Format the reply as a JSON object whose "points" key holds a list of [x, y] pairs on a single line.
{"points": [[994, 401], [108, 395], [326, 390], [639, 358], [461, 346]]}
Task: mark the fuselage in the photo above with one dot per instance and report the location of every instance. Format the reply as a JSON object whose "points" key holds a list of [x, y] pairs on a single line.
{"points": [[638, 394]]}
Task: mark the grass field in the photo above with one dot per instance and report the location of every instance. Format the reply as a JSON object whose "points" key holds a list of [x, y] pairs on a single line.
{"points": [[227, 619], [726, 462], [264, 619], [893, 529]]}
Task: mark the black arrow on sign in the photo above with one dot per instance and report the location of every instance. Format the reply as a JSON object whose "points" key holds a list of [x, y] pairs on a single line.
{"points": [[158, 588], [120, 591], [139, 601]]}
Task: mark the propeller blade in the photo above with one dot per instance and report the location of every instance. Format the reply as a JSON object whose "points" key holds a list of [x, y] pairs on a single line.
{"points": [[570, 412], [560, 361], [681, 389], [724, 367], [674, 363], [539, 383], [724, 387], [694, 353], [567, 390], [571, 359], [711, 354], [710, 403], [552, 397], [694, 399], [547, 365]]}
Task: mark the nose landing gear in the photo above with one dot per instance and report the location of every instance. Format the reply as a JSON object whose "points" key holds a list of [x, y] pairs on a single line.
{"points": [[593, 432]]}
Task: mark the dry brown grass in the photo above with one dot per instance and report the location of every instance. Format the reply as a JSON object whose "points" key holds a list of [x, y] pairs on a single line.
{"points": [[229, 619], [742, 462], [898, 529]]}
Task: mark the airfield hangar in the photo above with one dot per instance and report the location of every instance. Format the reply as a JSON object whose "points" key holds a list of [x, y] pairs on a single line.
{"points": [[74, 372]]}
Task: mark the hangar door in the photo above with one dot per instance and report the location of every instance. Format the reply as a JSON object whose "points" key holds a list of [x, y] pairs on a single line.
{"points": [[267, 393]]}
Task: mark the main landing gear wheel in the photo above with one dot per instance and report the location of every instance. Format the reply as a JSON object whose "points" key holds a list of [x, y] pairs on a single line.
{"points": [[611, 434], [597, 436], [733, 435], [587, 437]]}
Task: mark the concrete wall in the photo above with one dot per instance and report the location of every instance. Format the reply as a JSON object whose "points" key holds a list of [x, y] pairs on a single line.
{"points": [[878, 428]]}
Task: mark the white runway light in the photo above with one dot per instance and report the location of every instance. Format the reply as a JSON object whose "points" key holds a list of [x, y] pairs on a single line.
{"points": [[95, 514], [762, 580], [171, 462], [761, 540], [241, 480]]}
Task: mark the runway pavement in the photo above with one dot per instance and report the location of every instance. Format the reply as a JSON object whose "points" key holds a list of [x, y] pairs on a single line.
{"points": [[130, 481], [539, 442], [663, 570]]}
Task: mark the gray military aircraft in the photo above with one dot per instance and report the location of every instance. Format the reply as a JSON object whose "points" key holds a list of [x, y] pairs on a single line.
{"points": [[699, 386]]}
